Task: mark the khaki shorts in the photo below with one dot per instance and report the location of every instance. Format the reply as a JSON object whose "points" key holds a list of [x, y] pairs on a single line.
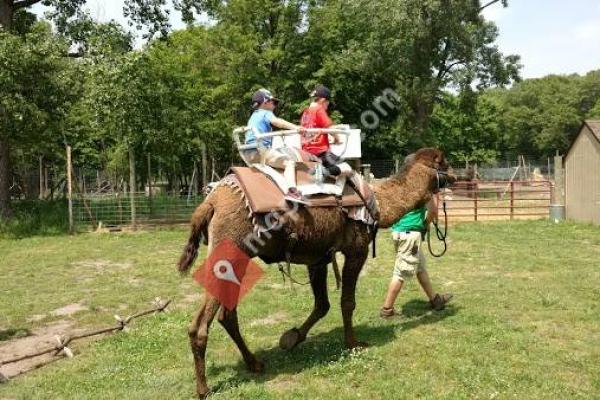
{"points": [[277, 158], [409, 257]]}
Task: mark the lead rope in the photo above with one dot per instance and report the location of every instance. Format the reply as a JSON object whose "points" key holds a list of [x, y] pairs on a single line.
{"points": [[441, 235], [288, 274]]}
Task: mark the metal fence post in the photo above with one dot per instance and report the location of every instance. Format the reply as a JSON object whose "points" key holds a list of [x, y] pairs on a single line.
{"points": [[475, 198], [149, 165], [512, 200], [557, 208], [41, 195], [132, 187], [70, 190]]}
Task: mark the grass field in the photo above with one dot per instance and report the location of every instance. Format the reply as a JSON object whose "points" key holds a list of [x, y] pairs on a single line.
{"points": [[524, 323]]}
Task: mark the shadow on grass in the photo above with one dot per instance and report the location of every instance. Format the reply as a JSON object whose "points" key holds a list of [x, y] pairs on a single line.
{"points": [[14, 333], [318, 349], [419, 313], [418, 307], [326, 347]]}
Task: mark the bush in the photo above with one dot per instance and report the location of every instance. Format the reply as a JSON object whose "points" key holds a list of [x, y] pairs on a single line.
{"points": [[36, 217]]}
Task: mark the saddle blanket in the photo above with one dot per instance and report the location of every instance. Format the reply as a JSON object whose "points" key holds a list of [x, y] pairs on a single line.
{"points": [[264, 195]]}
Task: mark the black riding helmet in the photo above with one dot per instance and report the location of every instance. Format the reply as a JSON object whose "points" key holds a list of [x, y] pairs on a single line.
{"points": [[261, 96]]}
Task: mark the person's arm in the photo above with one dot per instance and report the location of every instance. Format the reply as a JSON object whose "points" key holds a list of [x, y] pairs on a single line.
{"points": [[324, 121], [282, 123], [432, 211]]}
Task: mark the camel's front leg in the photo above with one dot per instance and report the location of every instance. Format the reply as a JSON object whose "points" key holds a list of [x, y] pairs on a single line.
{"points": [[229, 321], [198, 333], [352, 267], [318, 282]]}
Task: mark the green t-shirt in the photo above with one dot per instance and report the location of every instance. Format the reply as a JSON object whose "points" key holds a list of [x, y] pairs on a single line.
{"points": [[412, 221]]}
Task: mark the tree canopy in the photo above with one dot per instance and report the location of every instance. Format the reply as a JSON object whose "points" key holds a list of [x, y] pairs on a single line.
{"points": [[79, 82]]}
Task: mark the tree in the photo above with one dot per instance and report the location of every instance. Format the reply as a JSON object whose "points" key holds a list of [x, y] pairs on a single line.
{"points": [[465, 127], [540, 116], [34, 92], [69, 18], [419, 50]]}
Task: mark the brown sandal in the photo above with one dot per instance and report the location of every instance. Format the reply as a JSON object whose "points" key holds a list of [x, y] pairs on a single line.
{"points": [[385, 312], [440, 300]]}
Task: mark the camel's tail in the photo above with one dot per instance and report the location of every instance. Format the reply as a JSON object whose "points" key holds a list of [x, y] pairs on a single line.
{"points": [[200, 220]]}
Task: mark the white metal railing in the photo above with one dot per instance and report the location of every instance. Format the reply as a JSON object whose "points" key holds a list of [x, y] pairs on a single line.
{"points": [[258, 145]]}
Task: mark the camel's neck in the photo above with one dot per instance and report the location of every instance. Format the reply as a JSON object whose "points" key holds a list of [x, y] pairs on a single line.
{"points": [[396, 197]]}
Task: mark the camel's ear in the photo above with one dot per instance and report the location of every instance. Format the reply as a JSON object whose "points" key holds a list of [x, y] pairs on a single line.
{"points": [[440, 161], [426, 156]]}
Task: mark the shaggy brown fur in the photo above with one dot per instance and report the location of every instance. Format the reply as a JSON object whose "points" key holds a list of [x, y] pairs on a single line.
{"points": [[224, 215]]}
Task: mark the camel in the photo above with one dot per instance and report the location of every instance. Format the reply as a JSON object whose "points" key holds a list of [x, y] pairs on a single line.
{"points": [[223, 215]]}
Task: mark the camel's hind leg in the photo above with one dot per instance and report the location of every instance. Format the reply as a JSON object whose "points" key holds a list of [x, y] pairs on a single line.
{"points": [[352, 267], [198, 333], [318, 282], [230, 323]]}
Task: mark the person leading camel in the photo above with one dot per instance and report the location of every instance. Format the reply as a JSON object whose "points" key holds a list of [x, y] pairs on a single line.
{"points": [[262, 121], [407, 235], [315, 116]]}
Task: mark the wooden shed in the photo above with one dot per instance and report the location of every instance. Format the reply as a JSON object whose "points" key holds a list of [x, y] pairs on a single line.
{"points": [[582, 175]]}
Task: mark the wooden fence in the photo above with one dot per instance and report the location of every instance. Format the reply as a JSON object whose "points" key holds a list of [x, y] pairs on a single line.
{"points": [[497, 200]]}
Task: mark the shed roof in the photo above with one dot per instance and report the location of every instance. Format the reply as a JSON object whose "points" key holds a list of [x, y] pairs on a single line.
{"points": [[594, 127]]}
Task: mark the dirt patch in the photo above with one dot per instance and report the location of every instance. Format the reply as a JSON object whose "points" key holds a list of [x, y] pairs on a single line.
{"points": [[192, 298], [39, 339], [135, 282], [68, 310], [36, 317], [272, 319], [101, 265]]}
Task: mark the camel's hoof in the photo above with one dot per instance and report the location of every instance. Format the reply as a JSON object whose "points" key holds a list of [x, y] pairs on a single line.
{"points": [[290, 339], [256, 367], [204, 394], [357, 345]]}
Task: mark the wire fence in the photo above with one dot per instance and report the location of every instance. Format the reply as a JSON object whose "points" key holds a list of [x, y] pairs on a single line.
{"points": [[103, 197], [115, 209]]}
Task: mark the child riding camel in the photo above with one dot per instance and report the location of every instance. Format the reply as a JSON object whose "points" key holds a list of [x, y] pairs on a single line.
{"points": [[262, 121], [315, 116]]}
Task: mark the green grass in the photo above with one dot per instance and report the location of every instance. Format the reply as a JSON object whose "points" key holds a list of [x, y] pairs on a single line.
{"points": [[524, 322], [33, 217]]}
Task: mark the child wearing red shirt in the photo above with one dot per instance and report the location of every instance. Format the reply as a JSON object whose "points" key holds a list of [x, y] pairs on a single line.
{"points": [[315, 116]]}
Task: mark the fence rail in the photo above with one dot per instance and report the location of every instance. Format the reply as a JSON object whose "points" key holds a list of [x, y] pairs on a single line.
{"points": [[497, 200], [465, 201]]}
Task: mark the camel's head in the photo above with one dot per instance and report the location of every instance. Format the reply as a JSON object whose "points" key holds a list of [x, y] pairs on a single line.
{"points": [[434, 158]]}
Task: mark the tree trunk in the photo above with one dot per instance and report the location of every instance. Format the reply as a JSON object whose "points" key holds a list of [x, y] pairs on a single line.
{"points": [[5, 208], [422, 114], [6, 14]]}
